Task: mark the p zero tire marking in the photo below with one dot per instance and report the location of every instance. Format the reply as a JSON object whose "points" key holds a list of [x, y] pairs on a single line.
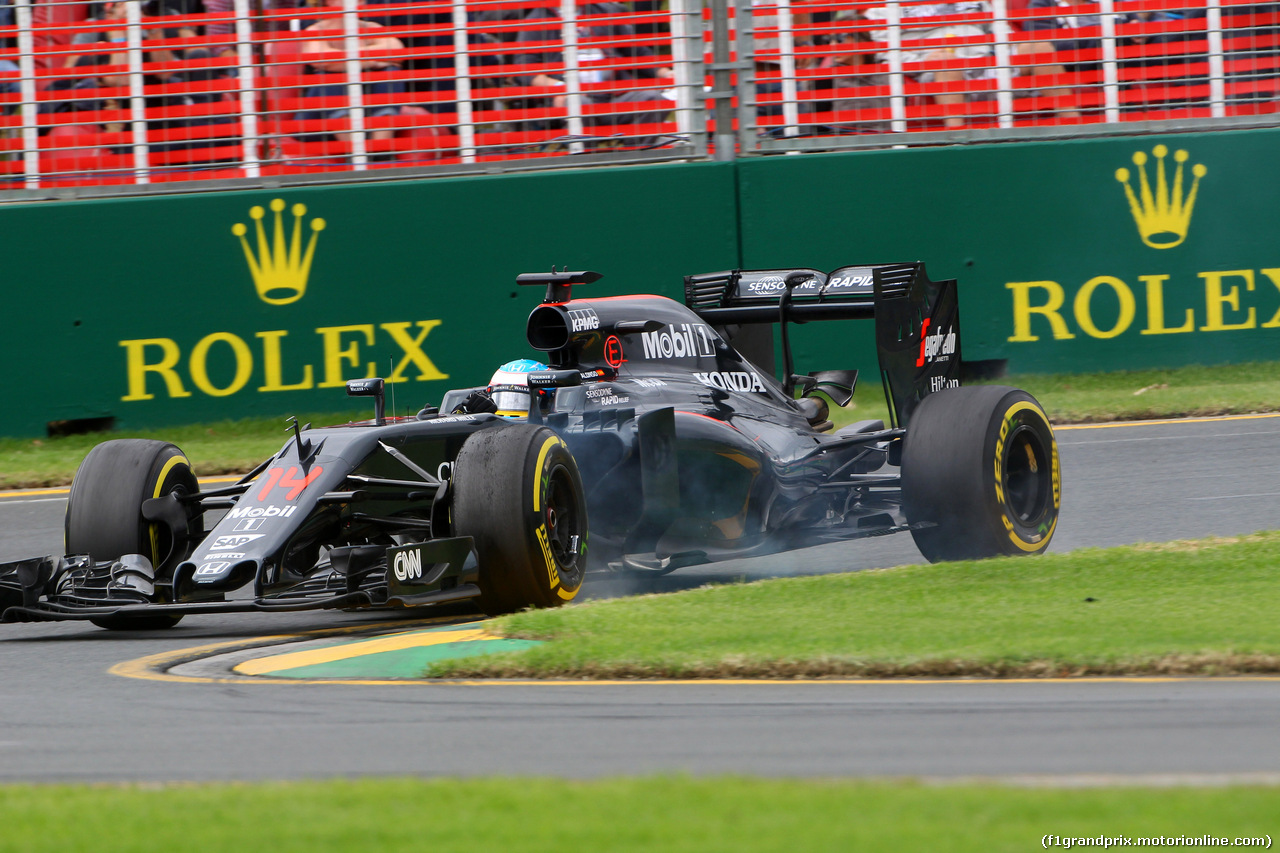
{"points": [[1055, 473], [541, 531]]}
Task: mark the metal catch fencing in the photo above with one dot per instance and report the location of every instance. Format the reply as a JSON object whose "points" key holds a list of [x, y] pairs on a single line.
{"points": [[149, 95]]}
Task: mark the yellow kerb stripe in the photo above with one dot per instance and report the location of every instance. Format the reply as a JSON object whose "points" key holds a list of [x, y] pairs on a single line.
{"points": [[346, 651]]}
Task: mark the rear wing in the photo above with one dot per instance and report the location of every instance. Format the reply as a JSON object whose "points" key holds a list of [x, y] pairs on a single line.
{"points": [[917, 321]]}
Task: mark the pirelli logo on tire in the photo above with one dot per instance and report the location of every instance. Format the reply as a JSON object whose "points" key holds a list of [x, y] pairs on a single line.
{"points": [[1028, 520]]}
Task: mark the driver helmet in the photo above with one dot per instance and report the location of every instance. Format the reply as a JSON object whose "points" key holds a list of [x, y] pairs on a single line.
{"points": [[509, 386]]}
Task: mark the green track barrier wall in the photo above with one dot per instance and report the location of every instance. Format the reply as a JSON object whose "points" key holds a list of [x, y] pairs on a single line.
{"points": [[1059, 269], [150, 310], [1070, 256]]}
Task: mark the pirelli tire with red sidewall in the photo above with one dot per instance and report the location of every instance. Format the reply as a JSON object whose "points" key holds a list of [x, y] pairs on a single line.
{"points": [[980, 474], [517, 492]]}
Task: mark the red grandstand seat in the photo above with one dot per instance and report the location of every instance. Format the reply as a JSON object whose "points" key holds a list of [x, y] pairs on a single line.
{"points": [[72, 148]]}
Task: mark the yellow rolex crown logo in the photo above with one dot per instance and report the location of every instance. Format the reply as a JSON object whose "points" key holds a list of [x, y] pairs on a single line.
{"points": [[1163, 215], [280, 268]]}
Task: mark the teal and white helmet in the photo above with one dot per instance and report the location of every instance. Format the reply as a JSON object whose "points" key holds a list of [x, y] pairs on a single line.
{"points": [[509, 386]]}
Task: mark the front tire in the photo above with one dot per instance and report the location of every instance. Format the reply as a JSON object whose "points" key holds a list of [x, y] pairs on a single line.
{"points": [[981, 465], [518, 493], [104, 513]]}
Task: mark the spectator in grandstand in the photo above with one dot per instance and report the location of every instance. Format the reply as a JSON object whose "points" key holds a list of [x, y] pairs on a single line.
{"points": [[968, 30], [1084, 54], [598, 43], [768, 65], [325, 54], [226, 29], [112, 16]]}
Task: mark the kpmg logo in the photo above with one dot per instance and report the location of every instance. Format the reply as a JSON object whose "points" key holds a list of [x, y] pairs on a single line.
{"points": [[1162, 214], [280, 268]]}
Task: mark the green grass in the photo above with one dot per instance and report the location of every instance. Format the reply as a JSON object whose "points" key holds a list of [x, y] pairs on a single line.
{"points": [[1200, 607], [1139, 394], [217, 448], [236, 446], [671, 814], [1123, 395]]}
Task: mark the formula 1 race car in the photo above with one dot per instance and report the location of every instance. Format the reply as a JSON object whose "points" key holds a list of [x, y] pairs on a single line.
{"points": [[661, 423]]}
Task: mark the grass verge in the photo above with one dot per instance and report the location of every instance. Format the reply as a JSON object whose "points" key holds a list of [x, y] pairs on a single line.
{"points": [[225, 447], [1202, 607], [651, 813], [236, 446]]}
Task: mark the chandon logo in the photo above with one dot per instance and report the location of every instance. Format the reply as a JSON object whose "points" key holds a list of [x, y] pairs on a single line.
{"points": [[940, 345]]}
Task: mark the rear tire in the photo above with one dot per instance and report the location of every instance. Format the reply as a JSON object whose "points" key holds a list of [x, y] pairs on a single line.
{"points": [[517, 492], [981, 465], [104, 513]]}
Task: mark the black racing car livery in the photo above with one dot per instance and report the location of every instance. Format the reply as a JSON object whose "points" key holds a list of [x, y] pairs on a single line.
{"points": [[658, 437]]}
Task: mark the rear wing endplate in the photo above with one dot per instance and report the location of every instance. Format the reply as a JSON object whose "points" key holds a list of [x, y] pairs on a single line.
{"points": [[917, 321]]}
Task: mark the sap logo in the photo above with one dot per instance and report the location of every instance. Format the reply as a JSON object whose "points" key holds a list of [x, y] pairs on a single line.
{"points": [[262, 512], [407, 565], [940, 345], [226, 543], [686, 340], [212, 569], [738, 380], [583, 320]]}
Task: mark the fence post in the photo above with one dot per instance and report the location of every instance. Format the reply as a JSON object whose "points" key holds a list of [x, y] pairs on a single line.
{"points": [[27, 89], [1110, 69], [572, 79], [686, 57], [137, 92], [787, 68], [245, 70], [722, 81], [1004, 73], [462, 85], [355, 87], [744, 45], [1217, 64], [897, 80]]}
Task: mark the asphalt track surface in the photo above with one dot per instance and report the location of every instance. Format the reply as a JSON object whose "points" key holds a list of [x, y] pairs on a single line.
{"points": [[65, 717]]}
